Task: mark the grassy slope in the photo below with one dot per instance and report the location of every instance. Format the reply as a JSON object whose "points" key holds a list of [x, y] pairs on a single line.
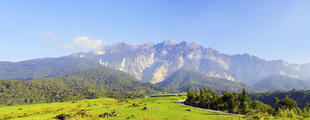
{"points": [[158, 108]]}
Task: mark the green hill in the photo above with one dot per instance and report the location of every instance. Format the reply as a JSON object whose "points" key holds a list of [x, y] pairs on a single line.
{"points": [[302, 97], [183, 80], [93, 83]]}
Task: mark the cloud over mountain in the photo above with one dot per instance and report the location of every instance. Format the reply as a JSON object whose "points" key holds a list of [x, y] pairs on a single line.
{"points": [[87, 43]]}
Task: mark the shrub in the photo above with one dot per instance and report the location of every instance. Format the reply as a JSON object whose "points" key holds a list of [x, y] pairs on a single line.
{"points": [[63, 116]]}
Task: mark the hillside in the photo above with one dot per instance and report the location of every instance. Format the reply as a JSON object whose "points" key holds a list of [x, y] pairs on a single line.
{"points": [[42, 68], [302, 97], [92, 83], [183, 80], [279, 82]]}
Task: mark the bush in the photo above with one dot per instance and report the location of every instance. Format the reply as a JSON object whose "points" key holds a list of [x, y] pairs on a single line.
{"points": [[107, 115], [63, 116], [131, 117], [82, 113]]}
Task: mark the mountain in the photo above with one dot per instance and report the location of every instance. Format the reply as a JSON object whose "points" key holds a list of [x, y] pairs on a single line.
{"points": [[305, 70], [182, 80], [92, 83], [155, 62], [280, 82], [42, 68]]}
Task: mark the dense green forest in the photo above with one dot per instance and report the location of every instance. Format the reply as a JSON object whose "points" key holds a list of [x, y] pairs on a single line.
{"points": [[242, 104], [300, 96], [93, 83]]}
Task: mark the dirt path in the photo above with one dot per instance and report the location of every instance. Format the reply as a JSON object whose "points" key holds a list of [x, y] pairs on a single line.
{"points": [[225, 113]]}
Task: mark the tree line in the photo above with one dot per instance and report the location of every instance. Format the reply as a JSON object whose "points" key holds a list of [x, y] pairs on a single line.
{"points": [[300, 96], [241, 103]]}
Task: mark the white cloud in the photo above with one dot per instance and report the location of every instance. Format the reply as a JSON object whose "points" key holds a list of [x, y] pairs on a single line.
{"points": [[86, 43], [82, 42], [68, 46], [50, 36]]}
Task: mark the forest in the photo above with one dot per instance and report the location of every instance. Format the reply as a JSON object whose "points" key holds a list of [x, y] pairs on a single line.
{"points": [[88, 84], [300, 96]]}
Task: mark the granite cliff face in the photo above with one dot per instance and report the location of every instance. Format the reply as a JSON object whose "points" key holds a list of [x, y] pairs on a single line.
{"points": [[155, 62]]}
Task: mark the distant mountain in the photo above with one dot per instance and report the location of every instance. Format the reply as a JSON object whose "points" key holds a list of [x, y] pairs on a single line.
{"points": [[305, 71], [182, 80], [280, 82], [92, 83], [42, 68], [156, 62]]}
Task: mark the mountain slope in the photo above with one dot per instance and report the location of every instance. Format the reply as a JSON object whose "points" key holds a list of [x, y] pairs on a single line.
{"points": [[42, 68], [280, 82], [182, 80], [93, 83]]}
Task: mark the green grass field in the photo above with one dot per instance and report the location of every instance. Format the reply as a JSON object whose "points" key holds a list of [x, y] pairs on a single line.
{"points": [[158, 108]]}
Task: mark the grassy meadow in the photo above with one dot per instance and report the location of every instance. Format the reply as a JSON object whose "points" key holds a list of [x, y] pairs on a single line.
{"points": [[157, 108]]}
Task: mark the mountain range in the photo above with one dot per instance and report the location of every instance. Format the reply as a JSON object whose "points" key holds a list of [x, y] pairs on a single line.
{"points": [[155, 63]]}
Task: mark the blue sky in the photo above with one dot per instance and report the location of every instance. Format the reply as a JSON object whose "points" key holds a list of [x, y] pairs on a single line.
{"points": [[269, 29]]}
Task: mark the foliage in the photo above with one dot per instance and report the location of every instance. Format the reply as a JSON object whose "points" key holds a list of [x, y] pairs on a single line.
{"points": [[230, 102], [286, 103], [240, 103], [260, 107], [300, 96], [244, 102], [88, 84]]}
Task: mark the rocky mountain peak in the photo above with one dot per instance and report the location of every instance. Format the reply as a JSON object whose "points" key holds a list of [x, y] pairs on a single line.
{"points": [[169, 43], [189, 45]]}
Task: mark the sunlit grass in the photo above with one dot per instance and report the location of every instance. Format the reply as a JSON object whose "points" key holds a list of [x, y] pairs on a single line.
{"points": [[159, 108]]}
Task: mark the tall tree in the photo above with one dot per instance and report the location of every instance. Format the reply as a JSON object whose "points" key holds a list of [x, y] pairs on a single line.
{"points": [[244, 102], [288, 103], [203, 98], [276, 103]]}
